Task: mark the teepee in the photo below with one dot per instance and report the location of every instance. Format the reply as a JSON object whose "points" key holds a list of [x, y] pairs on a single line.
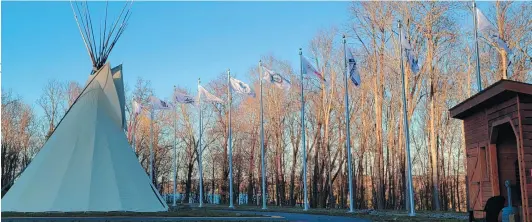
{"points": [[87, 163]]}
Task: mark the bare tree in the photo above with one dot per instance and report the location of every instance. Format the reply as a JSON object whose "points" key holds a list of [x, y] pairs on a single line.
{"points": [[72, 91], [52, 103], [20, 137]]}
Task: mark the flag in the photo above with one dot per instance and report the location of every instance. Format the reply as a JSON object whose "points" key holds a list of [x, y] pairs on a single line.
{"points": [[487, 29], [183, 98], [276, 79], [241, 87], [137, 107], [409, 53], [352, 68], [159, 104], [413, 62], [208, 96], [308, 68]]}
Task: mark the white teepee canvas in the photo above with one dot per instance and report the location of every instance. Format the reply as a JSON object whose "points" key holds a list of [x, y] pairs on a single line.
{"points": [[119, 85], [87, 163]]}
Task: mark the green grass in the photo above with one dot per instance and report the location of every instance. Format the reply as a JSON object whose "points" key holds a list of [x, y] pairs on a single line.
{"points": [[184, 210], [386, 215], [192, 212]]}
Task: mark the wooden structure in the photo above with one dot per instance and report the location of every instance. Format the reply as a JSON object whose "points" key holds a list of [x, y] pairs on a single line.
{"points": [[498, 135]]}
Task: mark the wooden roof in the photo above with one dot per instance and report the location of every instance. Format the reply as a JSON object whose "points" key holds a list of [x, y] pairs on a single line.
{"points": [[494, 94]]}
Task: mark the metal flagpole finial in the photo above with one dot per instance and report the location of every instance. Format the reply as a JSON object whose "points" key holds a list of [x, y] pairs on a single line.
{"points": [[399, 23], [300, 51]]}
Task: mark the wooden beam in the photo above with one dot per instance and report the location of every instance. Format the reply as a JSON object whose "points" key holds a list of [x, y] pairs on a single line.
{"points": [[494, 169]]}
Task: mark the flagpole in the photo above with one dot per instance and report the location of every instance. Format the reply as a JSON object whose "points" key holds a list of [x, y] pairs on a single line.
{"points": [[479, 82], [174, 165], [133, 132], [303, 134], [407, 136], [262, 141], [229, 142], [200, 150], [348, 134], [151, 144]]}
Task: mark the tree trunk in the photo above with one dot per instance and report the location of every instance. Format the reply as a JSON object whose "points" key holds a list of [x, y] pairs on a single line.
{"points": [[188, 186], [379, 185], [250, 173], [316, 175], [292, 179], [433, 149], [501, 22], [225, 175]]}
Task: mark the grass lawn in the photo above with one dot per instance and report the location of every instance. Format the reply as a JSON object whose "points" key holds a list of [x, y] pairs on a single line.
{"points": [[387, 215], [182, 212]]}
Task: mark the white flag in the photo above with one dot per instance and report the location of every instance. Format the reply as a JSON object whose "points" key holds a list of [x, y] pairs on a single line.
{"points": [[159, 104], [483, 23], [183, 98], [487, 29], [276, 79], [137, 107], [409, 53], [404, 42], [241, 87], [208, 96], [308, 68], [352, 68]]}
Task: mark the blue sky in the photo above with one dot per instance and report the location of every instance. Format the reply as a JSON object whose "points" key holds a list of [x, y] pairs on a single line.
{"points": [[168, 43]]}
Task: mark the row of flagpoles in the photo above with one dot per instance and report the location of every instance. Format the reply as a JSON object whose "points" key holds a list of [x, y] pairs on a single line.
{"points": [[279, 80], [235, 85]]}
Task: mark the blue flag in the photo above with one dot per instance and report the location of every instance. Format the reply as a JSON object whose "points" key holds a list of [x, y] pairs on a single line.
{"points": [[352, 68]]}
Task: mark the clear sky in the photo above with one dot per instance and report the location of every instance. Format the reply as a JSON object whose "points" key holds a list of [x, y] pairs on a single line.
{"points": [[168, 43]]}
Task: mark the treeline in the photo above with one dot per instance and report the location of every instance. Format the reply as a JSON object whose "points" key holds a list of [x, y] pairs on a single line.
{"points": [[439, 33]]}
